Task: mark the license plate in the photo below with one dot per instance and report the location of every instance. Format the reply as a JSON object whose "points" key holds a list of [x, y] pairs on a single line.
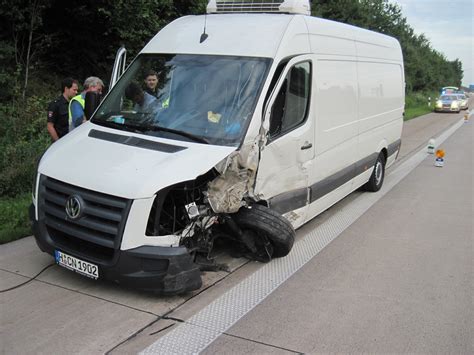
{"points": [[80, 266]]}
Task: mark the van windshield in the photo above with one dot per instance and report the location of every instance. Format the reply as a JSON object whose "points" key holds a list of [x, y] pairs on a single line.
{"points": [[207, 99]]}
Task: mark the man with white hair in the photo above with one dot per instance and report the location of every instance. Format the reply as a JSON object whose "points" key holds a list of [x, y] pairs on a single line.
{"points": [[77, 103]]}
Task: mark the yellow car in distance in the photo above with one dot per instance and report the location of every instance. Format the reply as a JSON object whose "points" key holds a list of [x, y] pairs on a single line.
{"points": [[448, 103]]}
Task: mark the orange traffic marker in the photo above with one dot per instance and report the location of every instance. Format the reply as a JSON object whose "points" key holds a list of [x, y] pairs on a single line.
{"points": [[439, 161]]}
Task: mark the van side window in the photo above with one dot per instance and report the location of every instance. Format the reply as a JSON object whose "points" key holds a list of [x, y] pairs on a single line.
{"points": [[292, 103]]}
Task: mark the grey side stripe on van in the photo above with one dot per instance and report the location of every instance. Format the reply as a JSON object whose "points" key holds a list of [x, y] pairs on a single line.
{"points": [[289, 201], [332, 182], [292, 200], [135, 141], [392, 148]]}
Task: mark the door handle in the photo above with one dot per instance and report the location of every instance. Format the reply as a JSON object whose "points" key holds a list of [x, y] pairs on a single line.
{"points": [[306, 145]]}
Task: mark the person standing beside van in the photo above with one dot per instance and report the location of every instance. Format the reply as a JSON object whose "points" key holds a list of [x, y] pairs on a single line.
{"points": [[77, 104], [58, 122]]}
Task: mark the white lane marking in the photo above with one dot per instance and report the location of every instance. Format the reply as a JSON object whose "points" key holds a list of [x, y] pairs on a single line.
{"points": [[207, 325]]}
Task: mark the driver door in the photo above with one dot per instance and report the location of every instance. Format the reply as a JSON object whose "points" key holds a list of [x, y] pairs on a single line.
{"points": [[285, 163]]}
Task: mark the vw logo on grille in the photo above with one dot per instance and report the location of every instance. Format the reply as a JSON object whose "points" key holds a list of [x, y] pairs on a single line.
{"points": [[74, 207]]}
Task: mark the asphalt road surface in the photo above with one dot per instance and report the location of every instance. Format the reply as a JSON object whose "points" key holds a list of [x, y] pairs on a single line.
{"points": [[391, 272]]}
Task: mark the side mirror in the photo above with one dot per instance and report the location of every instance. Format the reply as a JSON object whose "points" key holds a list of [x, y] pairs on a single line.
{"points": [[92, 101]]}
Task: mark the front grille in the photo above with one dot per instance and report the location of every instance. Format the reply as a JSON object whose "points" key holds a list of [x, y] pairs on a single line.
{"points": [[248, 6], [97, 233]]}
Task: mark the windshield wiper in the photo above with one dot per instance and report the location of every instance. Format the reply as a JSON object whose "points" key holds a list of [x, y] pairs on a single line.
{"points": [[194, 137]]}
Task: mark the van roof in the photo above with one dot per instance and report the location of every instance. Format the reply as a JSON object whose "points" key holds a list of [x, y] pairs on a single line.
{"points": [[256, 35], [253, 35]]}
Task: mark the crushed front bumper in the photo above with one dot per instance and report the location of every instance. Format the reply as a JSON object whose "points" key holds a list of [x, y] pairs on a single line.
{"points": [[163, 270]]}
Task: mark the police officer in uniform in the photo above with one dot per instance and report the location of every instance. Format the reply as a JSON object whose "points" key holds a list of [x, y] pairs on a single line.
{"points": [[58, 110]]}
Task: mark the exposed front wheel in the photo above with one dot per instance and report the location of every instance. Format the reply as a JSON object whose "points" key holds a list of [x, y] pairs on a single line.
{"points": [[264, 224], [376, 179]]}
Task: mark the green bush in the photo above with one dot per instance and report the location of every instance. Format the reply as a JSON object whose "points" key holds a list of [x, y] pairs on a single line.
{"points": [[417, 104], [23, 139], [14, 220]]}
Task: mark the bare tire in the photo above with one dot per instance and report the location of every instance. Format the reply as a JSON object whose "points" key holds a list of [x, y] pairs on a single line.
{"points": [[265, 222], [378, 175]]}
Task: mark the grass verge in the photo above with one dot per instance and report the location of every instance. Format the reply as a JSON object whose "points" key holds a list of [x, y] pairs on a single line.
{"points": [[14, 220], [412, 112], [417, 104]]}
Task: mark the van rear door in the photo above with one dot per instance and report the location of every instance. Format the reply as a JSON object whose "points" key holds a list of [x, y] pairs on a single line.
{"points": [[285, 161]]}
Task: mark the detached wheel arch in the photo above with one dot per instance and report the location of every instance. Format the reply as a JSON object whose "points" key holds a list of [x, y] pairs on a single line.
{"points": [[265, 221]]}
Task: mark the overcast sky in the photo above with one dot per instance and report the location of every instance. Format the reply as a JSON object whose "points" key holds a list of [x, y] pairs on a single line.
{"points": [[449, 26]]}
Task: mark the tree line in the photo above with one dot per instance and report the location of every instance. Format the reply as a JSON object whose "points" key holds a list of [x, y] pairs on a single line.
{"points": [[80, 37]]}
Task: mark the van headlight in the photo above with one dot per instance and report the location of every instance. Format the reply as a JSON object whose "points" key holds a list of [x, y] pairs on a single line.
{"points": [[33, 189], [455, 104], [439, 103]]}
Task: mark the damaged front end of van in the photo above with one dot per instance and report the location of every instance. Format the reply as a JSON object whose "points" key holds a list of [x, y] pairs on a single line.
{"points": [[218, 210], [162, 243]]}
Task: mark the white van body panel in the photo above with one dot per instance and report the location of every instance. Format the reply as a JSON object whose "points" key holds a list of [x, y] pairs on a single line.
{"points": [[372, 45], [336, 103], [356, 112], [122, 170]]}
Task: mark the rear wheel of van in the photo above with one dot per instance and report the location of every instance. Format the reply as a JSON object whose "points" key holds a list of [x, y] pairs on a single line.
{"points": [[378, 174], [265, 223]]}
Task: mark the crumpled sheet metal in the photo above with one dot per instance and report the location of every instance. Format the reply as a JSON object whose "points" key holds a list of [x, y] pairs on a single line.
{"points": [[226, 192]]}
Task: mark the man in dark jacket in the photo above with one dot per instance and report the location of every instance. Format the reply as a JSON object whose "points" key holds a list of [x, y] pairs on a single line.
{"points": [[58, 110]]}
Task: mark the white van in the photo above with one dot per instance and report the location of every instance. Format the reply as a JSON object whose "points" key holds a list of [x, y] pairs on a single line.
{"points": [[261, 121]]}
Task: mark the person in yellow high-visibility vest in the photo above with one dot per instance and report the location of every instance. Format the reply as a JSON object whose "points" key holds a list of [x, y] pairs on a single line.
{"points": [[77, 103]]}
